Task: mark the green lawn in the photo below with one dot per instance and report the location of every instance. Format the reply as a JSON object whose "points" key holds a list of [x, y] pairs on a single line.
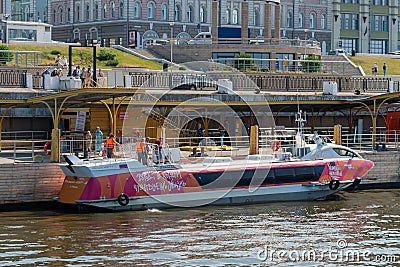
{"points": [[83, 56], [367, 61]]}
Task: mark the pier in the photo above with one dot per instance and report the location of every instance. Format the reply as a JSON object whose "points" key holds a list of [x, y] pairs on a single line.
{"points": [[107, 106]]}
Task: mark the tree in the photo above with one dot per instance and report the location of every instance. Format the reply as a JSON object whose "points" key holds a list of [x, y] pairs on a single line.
{"points": [[5, 56]]}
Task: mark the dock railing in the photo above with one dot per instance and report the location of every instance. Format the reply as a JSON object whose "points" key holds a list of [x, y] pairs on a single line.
{"points": [[20, 150]]}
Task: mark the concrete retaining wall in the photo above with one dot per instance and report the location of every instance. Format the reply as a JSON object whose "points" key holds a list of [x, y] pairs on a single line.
{"points": [[386, 169], [30, 182]]}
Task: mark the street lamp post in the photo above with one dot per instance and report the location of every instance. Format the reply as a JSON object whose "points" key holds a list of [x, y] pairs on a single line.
{"points": [[6, 16], [171, 24], [305, 40], [305, 46], [127, 24]]}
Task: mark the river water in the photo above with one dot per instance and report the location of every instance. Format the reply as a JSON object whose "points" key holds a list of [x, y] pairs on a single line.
{"points": [[354, 229]]}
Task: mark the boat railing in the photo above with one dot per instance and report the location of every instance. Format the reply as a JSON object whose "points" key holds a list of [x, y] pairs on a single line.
{"points": [[34, 151]]}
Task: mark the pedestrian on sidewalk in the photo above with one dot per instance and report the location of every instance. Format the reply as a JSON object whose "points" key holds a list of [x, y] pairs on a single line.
{"points": [[384, 69]]}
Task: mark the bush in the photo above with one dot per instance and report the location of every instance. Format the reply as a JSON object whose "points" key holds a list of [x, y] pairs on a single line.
{"points": [[5, 56], [105, 55], [311, 66], [55, 52], [84, 57], [243, 64], [112, 63]]}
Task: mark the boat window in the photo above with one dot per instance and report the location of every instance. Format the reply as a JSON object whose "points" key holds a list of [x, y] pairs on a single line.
{"points": [[345, 153], [270, 177], [246, 178], [304, 173], [284, 175], [318, 171], [207, 177]]}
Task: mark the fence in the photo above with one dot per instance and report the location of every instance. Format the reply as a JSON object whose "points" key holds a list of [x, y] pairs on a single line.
{"points": [[272, 82], [264, 81], [25, 135]]}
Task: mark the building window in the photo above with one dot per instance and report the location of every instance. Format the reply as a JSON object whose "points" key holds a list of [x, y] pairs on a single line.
{"points": [[54, 17], [323, 22], [87, 12], [112, 10], [349, 44], [69, 15], [150, 10], [349, 22], [177, 13], [78, 13], [203, 16], [26, 14], [256, 18], [380, 24], [228, 16], [136, 10], [398, 23], [312, 21], [164, 12], [289, 20], [104, 16], [235, 16], [189, 14], [301, 25], [60, 15], [96, 12], [378, 46], [379, 2], [350, 1], [121, 10]]}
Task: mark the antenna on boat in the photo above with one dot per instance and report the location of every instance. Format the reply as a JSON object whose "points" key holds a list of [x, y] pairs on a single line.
{"points": [[300, 118]]}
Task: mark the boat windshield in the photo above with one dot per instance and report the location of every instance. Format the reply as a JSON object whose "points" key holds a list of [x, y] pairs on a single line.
{"points": [[346, 153]]}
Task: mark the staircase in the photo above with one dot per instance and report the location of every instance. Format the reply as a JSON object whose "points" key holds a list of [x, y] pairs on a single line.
{"points": [[340, 65]]}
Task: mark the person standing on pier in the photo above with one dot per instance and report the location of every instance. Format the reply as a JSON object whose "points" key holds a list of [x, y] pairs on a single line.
{"points": [[200, 136], [110, 145], [99, 139], [88, 144], [140, 149]]}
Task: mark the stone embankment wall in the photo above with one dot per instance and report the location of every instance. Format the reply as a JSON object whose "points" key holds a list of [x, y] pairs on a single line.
{"points": [[386, 169], [29, 182]]}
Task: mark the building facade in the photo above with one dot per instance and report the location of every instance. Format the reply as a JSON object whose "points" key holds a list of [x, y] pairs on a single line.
{"points": [[117, 21], [366, 26]]}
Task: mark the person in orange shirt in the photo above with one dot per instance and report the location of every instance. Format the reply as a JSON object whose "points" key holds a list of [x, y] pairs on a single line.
{"points": [[141, 151], [110, 145]]}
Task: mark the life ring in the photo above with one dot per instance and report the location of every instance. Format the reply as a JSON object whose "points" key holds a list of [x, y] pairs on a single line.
{"points": [[275, 145], [123, 199], [334, 184], [47, 148]]}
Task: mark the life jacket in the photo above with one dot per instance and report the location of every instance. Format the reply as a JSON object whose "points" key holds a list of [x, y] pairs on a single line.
{"points": [[140, 147], [110, 143]]}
